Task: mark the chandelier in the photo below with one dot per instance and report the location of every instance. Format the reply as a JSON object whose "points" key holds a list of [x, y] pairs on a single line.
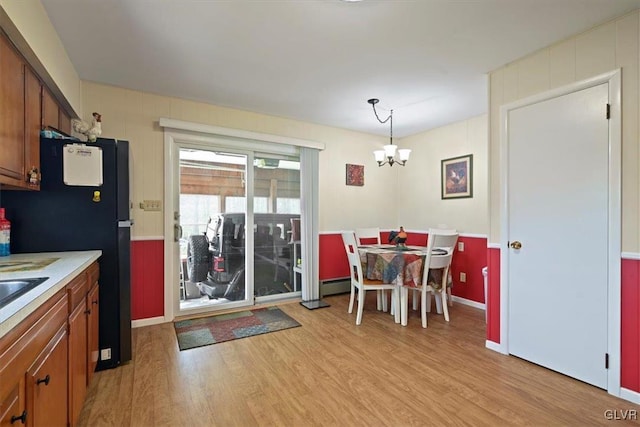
{"points": [[388, 154]]}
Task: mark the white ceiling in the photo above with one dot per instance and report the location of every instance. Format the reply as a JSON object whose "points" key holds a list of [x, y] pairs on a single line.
{"points": [[319, 60]]}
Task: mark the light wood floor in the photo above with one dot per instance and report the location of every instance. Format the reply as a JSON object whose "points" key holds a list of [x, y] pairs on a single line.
{"points": [[330, 372]]}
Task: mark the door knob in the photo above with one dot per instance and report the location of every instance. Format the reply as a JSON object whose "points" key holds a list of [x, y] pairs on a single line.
{"points": [[516, 245]]}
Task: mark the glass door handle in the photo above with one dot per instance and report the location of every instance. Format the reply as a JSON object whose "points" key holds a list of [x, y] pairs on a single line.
{"points": [[177, 232]]}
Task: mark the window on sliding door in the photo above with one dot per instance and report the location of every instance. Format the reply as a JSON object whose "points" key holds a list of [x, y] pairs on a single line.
{"points": [[276, 207], [231, 249], [212, 246]]}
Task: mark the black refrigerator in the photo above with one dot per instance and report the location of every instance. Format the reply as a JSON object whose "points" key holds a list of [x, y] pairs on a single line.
{"points": [[62, 217]]}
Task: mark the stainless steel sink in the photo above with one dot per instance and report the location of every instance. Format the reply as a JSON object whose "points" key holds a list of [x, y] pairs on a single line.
{"points": [[13, 288]]}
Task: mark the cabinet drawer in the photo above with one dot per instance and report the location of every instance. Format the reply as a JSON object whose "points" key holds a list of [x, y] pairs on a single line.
{"points": [[28, 340], [77, 291]]}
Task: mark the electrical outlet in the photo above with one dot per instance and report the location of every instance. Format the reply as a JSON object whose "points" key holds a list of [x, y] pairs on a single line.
{"points": [[463, 277], [460, 246], [105, 354], [150, 205]]}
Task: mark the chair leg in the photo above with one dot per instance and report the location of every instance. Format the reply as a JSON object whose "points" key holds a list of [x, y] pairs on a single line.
{"points": [[396, 302], [438, 298], [423, 309], [445, 307], [428, 302], [404, 305], [415, 299], [384, 300], [361, 295], [449, 299], [353, 297]]}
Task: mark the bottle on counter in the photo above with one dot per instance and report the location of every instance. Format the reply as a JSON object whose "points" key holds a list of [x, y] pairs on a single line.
{"points": [[5, 234]]}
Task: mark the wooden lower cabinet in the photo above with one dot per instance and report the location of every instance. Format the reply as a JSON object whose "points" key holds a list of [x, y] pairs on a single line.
{"points": [[93, 303], [47, 384], [46, 361], [12, 409], [77, 362]]}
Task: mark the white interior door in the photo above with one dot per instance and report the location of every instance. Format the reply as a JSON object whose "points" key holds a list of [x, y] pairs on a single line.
{"points": [[558, 209]]}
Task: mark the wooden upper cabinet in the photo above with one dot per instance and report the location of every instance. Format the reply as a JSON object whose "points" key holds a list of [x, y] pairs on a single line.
{"points": [[33, 89], [50, 110], [12, 103], [64, 122]]}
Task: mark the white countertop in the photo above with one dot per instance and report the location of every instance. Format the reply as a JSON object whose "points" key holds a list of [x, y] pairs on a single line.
{"points": [[60, 272]]}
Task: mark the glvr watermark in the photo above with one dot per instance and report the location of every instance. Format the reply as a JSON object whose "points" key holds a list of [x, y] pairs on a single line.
{"points": [[621, 414]]}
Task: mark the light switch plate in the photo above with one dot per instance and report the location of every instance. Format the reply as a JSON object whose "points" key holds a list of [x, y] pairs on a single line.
{"points": [[460, 246], [150, 205], [463, 277]]}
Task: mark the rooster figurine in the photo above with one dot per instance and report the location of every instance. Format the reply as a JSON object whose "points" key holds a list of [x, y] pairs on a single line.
{"points": [[91, 131]]}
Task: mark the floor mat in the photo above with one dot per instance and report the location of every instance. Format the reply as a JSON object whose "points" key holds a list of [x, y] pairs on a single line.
{"points": [[203, 331]]}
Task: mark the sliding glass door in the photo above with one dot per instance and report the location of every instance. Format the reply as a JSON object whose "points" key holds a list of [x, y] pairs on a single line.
{"points": [[236, 216]]}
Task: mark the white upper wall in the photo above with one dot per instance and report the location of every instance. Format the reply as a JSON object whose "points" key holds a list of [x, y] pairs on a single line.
{"points": [[134, 115], [419, 184]]}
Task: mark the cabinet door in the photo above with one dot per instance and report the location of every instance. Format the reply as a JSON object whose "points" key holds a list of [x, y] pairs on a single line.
{"points": [[11, 112], [50, 117], [77, 362], [47, 384], [64, 122], [33, 89], [93, 304], [12, 409]]}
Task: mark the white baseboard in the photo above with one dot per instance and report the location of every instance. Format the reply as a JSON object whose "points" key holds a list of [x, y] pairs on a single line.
{"points": [[468, 302], [495, 347], [630, 395], [147, 322]]}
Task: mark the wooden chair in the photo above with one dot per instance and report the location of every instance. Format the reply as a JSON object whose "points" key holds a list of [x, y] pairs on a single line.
{"points": [[371, 236], [358, 280], [368, 236], [438, 240], [442, 231]]}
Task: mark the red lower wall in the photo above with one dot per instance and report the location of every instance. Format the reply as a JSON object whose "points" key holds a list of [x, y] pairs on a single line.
{"points": [[334, 264], [493, 295], [630, 325], [147, 279]]}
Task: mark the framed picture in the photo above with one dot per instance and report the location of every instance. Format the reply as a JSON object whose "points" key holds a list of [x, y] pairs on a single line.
{"points": [[456, 175], [355, 175]]}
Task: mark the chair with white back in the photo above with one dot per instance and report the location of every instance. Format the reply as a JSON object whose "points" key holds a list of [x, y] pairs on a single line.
{"points": [[359, 282], [442, 230], [368, 236], [439, 253], [371, 236]]}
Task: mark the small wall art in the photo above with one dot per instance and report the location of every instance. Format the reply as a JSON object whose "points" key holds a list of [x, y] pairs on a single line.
{"points": [[457, 177], [355, 175]]}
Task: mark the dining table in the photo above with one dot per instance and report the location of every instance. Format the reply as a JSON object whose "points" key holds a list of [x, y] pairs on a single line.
{"points": [[401, 265]]}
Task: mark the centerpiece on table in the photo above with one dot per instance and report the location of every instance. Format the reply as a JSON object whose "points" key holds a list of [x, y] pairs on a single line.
{"points": [[399, 238]]}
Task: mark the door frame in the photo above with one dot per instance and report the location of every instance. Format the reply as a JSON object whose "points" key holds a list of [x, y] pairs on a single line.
{"points": [[208, 136], [613, 79]]}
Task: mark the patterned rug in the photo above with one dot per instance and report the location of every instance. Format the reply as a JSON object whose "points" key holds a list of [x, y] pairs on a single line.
{"points": [[203, 331]]}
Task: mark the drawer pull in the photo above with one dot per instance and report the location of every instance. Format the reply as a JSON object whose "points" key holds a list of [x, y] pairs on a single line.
{"points": [[44, 380], [87, 312], [22, 418]]}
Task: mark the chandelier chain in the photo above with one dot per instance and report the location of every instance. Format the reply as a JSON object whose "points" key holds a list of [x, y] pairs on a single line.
{"points": [[390, 118]]}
